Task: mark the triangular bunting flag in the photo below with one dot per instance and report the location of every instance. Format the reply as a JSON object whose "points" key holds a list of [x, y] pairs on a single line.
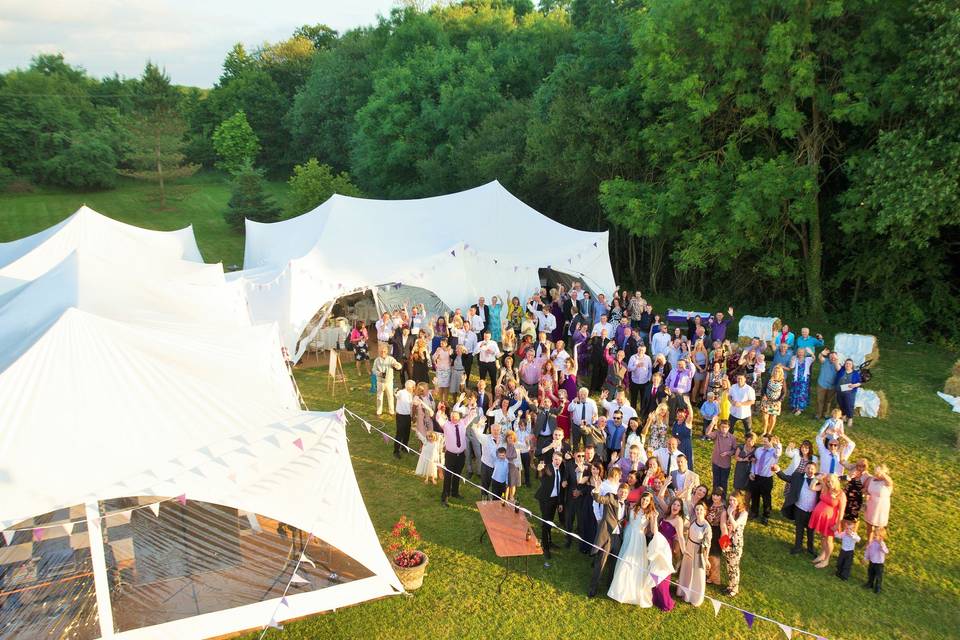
{"points": [[298, 443], [272, 439], [386, 439], [341, 418], [594, 244], [453, 253], [284, 602], [515, 269], [298, 579], [198, 471], [275, 625], [68, 528], [306, 558], [155, 508], [748, 617], [495, 261], [182, 499], [125, 516], [231, 476], [367, 425], [466, 246], [8, 536], [716, 606], [787, 630], [37, 534]]}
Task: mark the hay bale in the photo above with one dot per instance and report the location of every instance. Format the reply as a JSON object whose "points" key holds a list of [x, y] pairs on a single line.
{"points": [[744, 341], [777, 325], [874, 354], [884, 410], [955, 371], [952, 386]]}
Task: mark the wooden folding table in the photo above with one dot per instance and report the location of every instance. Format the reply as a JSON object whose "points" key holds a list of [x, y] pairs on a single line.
{"points": [[510, 534]]}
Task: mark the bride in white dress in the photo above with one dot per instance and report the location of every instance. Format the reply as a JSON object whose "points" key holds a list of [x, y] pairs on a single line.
{"points": [[632, 583]]}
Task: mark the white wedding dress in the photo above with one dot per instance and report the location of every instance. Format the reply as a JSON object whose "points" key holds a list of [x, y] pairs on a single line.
{"points": [[631, 584]]}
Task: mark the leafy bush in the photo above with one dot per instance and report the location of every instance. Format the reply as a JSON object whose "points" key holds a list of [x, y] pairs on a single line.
{"points": [[88, 163], [313, 183]]}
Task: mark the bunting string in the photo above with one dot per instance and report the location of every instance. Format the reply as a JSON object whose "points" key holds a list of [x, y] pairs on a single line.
{"points": [[748, 616]]}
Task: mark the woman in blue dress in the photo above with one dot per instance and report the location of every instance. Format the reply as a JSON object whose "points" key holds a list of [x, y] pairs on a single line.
{"points": [[848, 381], [683, 432], [496, 321]]}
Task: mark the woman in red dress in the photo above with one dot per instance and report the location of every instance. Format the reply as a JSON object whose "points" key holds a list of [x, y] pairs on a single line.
{"points": [[827, 515]]}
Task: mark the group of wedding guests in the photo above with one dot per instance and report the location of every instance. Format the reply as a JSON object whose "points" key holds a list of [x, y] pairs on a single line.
{"points": [[619, 470]]}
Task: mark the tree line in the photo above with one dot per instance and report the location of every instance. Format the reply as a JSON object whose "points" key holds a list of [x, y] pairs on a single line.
{"points": [[802, 157]]}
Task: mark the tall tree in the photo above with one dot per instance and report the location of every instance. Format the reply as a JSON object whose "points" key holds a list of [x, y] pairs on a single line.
{"points": [[156, 134], [236, 143], [313, 183]]}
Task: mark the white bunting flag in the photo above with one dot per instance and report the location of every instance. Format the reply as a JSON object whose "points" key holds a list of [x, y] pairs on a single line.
{"points": [[306, 558], [787, 631], [68, 528], [8, 536], [155, 507], [275, 625], [716, 606], [297, 579], [284, 602], [124, 516]]}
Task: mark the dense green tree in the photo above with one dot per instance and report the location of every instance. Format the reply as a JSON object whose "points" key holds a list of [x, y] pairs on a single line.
{"points": [[313, 183], [322, 36], [88, 163], [236, 143], [249, 200]]}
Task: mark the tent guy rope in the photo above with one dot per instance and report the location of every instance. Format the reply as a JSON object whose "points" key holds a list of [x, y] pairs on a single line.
{"points": [[749, 616]]}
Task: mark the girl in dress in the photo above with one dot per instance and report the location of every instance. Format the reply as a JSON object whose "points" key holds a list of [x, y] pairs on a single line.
{"points": [[699, 495], [563, 418], [513, 473], [827, 515], [427, 463], [358, 338], [877, 490], [657, 428], [770, 404], [523, 428], [631, 580], [696, 547], [800, 391], [699, 359], [496, 319], [714, 515], [744, 457], [509, 344], [420, 359], [732, 523], [442, 360], [856, 476]]}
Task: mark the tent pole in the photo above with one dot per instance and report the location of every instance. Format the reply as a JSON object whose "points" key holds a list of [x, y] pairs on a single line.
{"points": [[101, 582]]}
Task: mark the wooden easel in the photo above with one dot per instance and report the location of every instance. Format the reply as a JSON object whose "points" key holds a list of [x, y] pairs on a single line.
{"points": [[335, 371]]}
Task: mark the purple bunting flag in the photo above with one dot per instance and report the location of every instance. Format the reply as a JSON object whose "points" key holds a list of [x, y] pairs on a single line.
{"points": [[748, 617], [298, 443]]}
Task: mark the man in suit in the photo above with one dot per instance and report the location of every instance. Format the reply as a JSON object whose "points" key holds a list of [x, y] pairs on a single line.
{"points": [[655, 395], [609, 532], [544, 424], [577, 478], [483, 401], [799, 505], [551, 496], [455, 443], [483, 311]]}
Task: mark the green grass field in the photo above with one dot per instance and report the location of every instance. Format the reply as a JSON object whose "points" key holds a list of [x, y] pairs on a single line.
{"points": [[459, 599]]}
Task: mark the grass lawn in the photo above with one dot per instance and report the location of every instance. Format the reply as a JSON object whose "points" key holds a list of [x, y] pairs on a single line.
{"points": [[459, 599], [199, 200]]}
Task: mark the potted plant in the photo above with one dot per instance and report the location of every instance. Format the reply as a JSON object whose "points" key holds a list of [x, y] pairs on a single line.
{"points": [[409, 563]]}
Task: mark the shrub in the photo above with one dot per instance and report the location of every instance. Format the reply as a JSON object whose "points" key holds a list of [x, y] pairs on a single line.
{"points": [[249, 200], [88, 163]]}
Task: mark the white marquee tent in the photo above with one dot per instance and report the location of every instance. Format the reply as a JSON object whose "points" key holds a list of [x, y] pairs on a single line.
{"points": [[114, 400], [448, 245], [28, 258]]}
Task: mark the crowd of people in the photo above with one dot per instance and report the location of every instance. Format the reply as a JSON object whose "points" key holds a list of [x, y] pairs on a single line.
{"points": [[601, 400]]}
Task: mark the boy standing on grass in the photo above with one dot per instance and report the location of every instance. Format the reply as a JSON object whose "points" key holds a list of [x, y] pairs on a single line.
{"points": [[848, 542]]}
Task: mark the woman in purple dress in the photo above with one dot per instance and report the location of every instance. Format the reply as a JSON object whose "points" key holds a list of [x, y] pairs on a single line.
{"points": [[557, 311], [671, 527], [568, 377], [580, 346]]}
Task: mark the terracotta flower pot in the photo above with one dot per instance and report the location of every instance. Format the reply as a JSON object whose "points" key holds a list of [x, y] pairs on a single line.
{"points": [[411, 577]]}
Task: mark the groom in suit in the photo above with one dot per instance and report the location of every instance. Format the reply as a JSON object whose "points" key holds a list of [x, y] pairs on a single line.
{"points": [[551, 495], [609, 532]]}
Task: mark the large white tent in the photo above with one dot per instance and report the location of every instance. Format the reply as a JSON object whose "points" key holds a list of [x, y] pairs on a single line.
{"points": [[28, 258], [121, 389], [451, 245]]}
